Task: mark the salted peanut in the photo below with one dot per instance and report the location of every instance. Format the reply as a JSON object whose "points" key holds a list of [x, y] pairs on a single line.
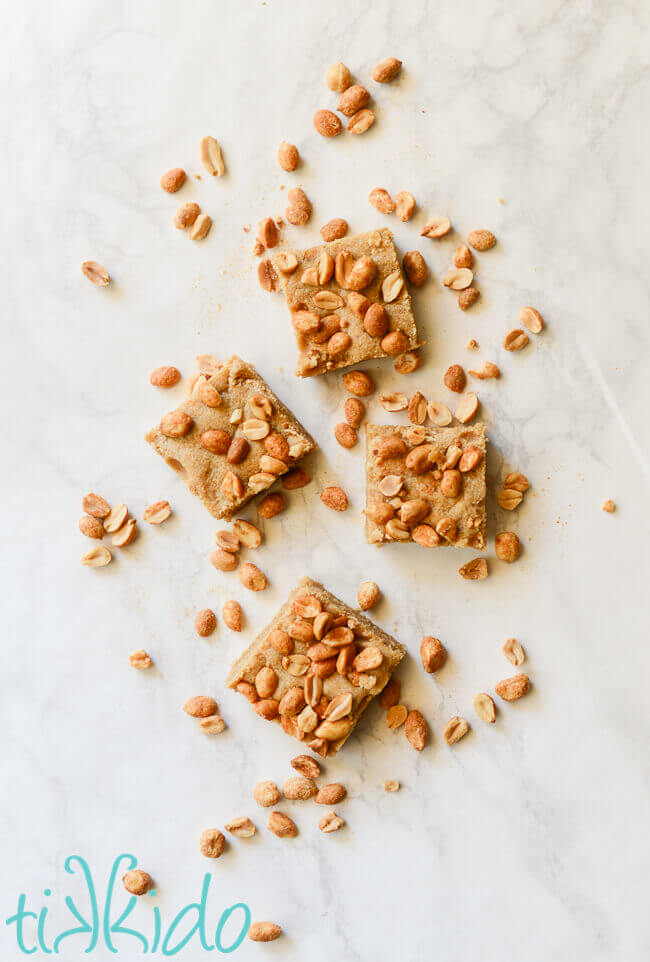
{"points": [[201, 227], [467, 407], [299, 788], [205, 622], [298, 211], [510, 689], [404, 205], [380, 512], [466, 298], [140, 659], [396, 716], [513, 651], [608, 506], [137, 882], [334, 498], [251, 577], [248, 691], [486, 371], [157, 512], [95, 506], [176, 424], [439, 413], [271, 505], [242, 827], [266, 794], [186, 215], [267, 232], [481, 240], [339, 707], [338, 77], [166, 376], [509, 498], [485, 708], [507, 546], [360, 122], [476, 570], [345, 435], [376, 320], [330, 794], [248, 534], [334, 229], [515, 340], [361, 274], [266, 682], [416, 730], [437, 227], [296, 478], [387, 70], [393, 402], [330, 823], [425, 535], [172, 180], [392, 286], [417, 408], [390, 694], [267, 708], [97, 557], [446, 528], [353, 99], [96, 273], [223, 560], [232, 486], [455, 379], [281, 825], [463, 256], [267, 276], [455, 729], [200, 706], [338, 344], [326, 272], [517, 481], [218, 442], [368, 595], [413, 511], [264, 932], [472, 345], [458, 278], [292, 702], [408, 362], [126, 535], [91, 527], [212, 157], [212, 843], [433, 654], [212, 725], [395, 342], [391, 785], [232, 615], [531, 319], [305, 765], [288, 156], [327, 123], [354, 410], [396, 530], [286, 262], [415, 268], [382, 200], [205, 392]]}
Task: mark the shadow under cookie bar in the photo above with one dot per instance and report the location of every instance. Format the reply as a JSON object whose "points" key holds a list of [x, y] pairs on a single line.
{"points": [[231, 438], [316, 667], [426, 485], [349, 303]]}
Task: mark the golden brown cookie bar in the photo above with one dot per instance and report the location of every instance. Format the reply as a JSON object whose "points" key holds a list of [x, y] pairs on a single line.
{"points": [[349, 302], [316, 667], [231, 438], [426, 485]]}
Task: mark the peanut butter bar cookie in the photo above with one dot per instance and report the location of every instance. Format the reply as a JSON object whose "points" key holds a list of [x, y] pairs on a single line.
{"points": [[231, 438], [316, 667], [348, 301], [426, 485]]}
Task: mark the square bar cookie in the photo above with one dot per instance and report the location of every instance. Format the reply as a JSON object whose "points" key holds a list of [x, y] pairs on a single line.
{"points": [[426, 485], [315, 667], [348, 301], [231, 438]]}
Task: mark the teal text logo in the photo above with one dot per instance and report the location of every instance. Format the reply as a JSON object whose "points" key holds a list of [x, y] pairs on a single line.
{"points": [[103, 923]]}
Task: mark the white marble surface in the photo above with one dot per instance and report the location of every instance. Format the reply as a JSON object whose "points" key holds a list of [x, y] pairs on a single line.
{"points": [[525, 841]]}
